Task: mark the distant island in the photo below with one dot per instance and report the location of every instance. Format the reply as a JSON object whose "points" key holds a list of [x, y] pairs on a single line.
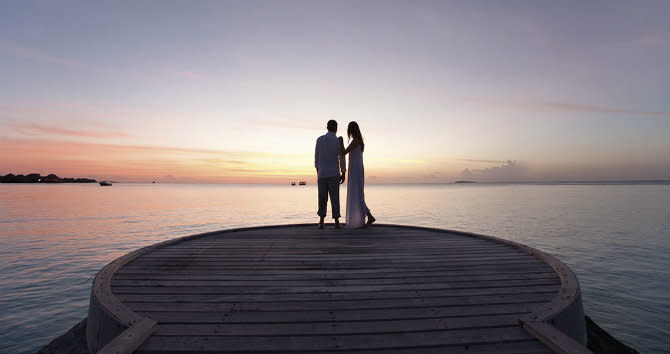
{"points": [[37, 178], [465, 182]]}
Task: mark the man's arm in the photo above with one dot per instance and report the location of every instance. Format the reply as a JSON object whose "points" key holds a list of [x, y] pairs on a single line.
{"points": [[316, 156], [343, 166]]}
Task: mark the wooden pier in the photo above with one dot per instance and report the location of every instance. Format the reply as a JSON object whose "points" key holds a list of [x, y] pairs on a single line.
{"points": [[295, 288]]}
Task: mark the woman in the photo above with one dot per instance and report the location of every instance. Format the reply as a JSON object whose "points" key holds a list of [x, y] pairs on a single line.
{"points": [[356, 207]]}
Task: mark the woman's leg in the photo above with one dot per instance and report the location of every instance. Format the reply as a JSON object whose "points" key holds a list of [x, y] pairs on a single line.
{"points": [[371, 218]]}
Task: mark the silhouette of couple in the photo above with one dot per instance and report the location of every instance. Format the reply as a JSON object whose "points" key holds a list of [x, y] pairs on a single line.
{"points": [[331, 168]]}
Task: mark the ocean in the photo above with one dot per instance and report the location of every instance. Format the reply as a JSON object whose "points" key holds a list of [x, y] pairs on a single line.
{"points": [[54, 238]]}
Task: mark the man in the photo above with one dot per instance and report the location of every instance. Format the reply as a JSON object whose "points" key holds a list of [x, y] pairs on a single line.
{"points": [[330, 168]]}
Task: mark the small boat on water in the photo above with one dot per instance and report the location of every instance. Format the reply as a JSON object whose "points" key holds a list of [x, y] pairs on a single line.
{"points": [[302, 183], [105, 183]]}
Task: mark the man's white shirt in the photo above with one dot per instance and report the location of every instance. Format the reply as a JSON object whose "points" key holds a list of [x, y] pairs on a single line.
{"points": [[328, 158]]}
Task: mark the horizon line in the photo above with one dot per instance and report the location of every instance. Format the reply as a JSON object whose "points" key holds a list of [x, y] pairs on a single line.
{"points": [[618, 181]]}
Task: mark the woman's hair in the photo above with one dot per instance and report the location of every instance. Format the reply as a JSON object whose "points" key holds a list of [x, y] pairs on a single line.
{"points": [[355, 131]]}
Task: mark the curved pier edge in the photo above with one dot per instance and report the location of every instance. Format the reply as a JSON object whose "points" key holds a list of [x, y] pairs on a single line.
{"points": [[110, 322], [560, 324], [112, 327]]}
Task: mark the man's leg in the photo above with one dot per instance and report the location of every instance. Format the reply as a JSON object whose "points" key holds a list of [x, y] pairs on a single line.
{"points": [[334, 191], [322, 185]]}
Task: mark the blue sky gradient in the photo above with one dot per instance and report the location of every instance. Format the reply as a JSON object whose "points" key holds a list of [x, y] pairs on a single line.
{"points": [[493, 91]]}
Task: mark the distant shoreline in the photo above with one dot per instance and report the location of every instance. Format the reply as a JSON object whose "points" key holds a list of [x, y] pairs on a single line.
{"points": [[20, 179], [37, 178]]}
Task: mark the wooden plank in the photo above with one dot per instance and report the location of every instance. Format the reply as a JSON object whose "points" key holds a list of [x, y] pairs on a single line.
{"points": [[340, 265], [514, 267], [351, 342], [517, 347], [345, 253], [392, 237], [334, 328], [318, 288], [388, 238], [453, 276], [520, 266], [322, 256], [222, 257], [319, 247], [329, 233], [456, 282], [531, 346], [222, 261], [231, 315], [370, 272], [414, 260], [334, 296], [324, 250], [307, 305]]}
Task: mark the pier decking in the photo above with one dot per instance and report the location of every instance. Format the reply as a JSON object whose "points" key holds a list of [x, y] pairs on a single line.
{"points": [[295, 288]]}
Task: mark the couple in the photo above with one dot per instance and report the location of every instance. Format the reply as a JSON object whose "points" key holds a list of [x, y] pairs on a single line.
{"points": [[331, 167]]}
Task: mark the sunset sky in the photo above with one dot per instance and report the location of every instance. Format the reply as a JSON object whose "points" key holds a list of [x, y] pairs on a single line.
{"points": [[238, 91]]}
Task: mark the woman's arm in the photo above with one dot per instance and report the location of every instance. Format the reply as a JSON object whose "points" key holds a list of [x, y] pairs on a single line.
{"points": [[351, 146]]}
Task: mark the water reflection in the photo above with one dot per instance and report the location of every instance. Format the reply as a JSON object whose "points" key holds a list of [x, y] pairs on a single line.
{"points": [[54, 238]]}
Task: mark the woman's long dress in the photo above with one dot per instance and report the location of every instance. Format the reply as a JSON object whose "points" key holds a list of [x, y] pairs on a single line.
{"points": [[356, 207]]}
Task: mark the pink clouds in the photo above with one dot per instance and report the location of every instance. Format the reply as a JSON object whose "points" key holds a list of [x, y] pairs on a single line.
{"points": [[44, 57], [41, 56]]}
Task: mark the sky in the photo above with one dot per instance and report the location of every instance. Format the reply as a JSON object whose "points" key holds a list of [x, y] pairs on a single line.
{"points": [[238, 91]]}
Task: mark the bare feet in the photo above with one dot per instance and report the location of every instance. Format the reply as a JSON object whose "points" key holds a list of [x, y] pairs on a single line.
{"points": [[371, 219]]}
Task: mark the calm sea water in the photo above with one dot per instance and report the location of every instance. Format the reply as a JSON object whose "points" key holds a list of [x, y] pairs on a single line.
{"points": [[54, 238]]}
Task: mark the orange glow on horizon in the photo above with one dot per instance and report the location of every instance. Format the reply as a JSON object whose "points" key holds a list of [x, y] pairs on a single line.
{"points": [[136, 163], [150, 163]]}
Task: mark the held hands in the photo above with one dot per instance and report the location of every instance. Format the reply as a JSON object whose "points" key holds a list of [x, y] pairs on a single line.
{"points": [[341, 140]]}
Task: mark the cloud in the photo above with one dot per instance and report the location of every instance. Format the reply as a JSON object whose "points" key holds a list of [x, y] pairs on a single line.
{"points": [[38, 129], [169, 178], [41, 56], [433, 176], [530, 106], [44, 57], [218, 161], [196, 76], [481, 161], [509, 171]]}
